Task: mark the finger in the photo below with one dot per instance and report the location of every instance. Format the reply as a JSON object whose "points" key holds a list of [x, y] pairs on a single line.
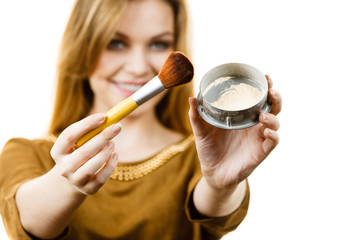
{"points": [[271, 140], [198, 124], [66, 140], [269, 121], [193, 113], [100, 178], [270, 82], [274, 97], [82, 175], [276, 100], [94, 145]]}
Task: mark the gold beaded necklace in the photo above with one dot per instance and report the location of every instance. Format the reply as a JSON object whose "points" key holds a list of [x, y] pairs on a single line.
{"points": [[131, 172]]}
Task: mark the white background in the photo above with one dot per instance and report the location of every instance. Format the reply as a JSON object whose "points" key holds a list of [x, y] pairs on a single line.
{"points": [[308, 188]]}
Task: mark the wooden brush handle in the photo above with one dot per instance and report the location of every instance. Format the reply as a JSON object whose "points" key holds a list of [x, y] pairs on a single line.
{"points": [[114, 115]]}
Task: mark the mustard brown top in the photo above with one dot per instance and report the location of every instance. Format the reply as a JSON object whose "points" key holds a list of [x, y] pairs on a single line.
{"points": [[157, 205]]}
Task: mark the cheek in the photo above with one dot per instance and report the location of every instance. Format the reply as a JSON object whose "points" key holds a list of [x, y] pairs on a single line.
{"points": [[107, 66], [100, 75], [96, 85], [157, 60]]}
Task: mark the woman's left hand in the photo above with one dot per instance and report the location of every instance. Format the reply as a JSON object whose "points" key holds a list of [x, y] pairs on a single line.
{"points": [[227, 157]]}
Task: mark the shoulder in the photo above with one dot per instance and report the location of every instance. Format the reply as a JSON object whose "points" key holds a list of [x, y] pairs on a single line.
{"points": [[39, 144], [22, 151]]}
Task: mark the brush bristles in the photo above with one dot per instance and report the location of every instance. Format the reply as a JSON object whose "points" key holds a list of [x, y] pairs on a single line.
{"points": [[176, 70]]}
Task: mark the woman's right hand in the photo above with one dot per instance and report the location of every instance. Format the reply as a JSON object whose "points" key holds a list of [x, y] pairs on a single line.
{"points": [[88, 167]]}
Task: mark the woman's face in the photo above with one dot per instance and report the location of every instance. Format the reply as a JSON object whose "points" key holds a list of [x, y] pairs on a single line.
{"points": [[143, 39]]}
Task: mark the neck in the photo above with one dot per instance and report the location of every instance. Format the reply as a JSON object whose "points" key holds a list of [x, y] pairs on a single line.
{"points": [[142, 134], [142, 137], [140, 128]]}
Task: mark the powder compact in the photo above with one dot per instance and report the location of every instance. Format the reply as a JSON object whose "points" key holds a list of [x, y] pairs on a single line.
{"points": [[232, 96]]}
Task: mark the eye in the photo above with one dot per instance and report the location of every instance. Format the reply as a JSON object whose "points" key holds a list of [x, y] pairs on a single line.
{"points": [[116, 44], [160, 45]]}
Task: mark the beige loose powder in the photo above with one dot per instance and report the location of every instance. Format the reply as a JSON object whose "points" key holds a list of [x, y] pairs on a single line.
{"points": [[239, 97]]}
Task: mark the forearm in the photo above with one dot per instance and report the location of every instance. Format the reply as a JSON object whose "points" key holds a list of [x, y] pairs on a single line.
{"points": [[46, 204], [217, 203]]}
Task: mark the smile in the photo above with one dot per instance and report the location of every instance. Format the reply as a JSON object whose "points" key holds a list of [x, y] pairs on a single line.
{"points": [[128, 87]]}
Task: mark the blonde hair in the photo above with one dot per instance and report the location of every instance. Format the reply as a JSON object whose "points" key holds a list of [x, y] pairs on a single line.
{"points": [[89, 30]]}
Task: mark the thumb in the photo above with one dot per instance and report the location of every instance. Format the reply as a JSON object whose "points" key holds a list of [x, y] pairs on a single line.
{"points": [[199, 126]]}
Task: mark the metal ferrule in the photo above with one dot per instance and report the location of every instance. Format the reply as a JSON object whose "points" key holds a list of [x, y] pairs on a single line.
{"points": [[148, 91]]}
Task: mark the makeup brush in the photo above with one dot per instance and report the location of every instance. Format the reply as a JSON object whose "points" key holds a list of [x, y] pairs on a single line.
{"points": [[177, 70]]}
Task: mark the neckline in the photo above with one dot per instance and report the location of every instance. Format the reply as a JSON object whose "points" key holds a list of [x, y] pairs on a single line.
{"points": [[174, 145], [132, 171]]}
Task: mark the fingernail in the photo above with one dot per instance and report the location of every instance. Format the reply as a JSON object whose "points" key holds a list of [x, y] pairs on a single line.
{"points": [[100, 117], [273, 92], [113, 160], [269, 131], [264, 116], [110, 145], [117, 128]]}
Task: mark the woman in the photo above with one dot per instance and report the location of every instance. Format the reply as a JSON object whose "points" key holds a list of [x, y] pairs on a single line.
{"points": [[147, 177]]}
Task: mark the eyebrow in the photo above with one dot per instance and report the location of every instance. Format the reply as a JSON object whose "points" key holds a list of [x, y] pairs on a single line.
{"points": [[118, 34], [121, 35]]}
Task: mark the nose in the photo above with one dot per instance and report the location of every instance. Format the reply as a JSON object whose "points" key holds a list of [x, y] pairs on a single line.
{"points": [[137, 62]]}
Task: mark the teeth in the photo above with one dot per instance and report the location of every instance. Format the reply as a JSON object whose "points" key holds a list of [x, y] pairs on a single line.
{"points": [[129, 87]]}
